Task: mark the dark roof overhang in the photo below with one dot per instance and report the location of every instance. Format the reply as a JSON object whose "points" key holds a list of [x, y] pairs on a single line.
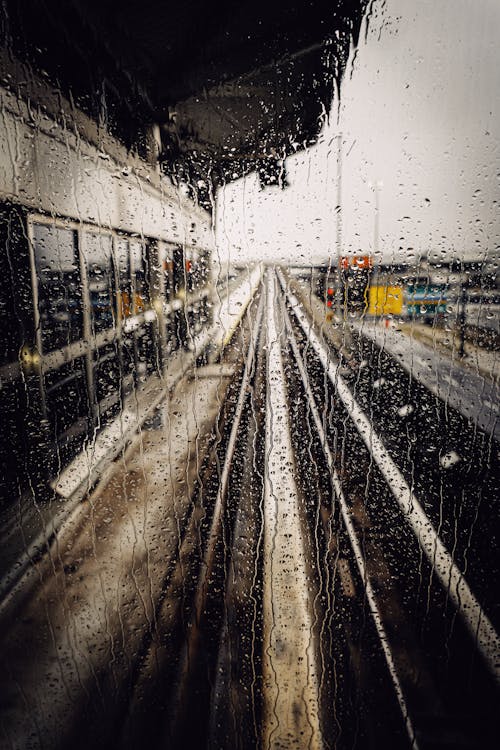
{"points": [[234, 87]]}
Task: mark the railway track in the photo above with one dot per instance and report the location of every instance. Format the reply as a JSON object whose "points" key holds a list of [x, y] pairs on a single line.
{"points": [[406, 574], [104, 605], [339, 619], [310, 599]]}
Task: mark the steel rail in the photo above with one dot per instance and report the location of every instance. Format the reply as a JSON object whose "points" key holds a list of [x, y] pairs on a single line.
{"points": [[215, 524], [451, 578], [356, 547], [226, 469]]}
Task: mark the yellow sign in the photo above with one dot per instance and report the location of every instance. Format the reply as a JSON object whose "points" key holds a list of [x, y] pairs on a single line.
{"points": [[385, 300]]}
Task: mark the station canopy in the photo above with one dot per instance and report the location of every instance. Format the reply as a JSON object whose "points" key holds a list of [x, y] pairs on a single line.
{"points": [[234, 87]]}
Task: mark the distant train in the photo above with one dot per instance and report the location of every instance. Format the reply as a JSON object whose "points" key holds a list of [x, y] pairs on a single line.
{"points": [[356, 287], [415, 299], [94, 247], [425, 301]]}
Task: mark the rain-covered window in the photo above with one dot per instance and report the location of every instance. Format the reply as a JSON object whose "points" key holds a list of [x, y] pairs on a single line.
{"points": [[58, 285], [98, 256], [249, 373]]}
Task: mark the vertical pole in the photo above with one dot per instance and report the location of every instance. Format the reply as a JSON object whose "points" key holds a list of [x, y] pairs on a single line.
{"points": [[339, 196], [338, 293], [461, 320], [153, 146], [87, 328], [156, 258], [376, 223]]}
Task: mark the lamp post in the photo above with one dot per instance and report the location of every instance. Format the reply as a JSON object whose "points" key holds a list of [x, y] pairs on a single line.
{"points": [[338, 306], [376, 187], [461, 318]]}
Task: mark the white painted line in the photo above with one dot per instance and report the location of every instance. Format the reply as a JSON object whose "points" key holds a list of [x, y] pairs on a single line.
{"points": [[351, 532], [290, 679], [440, 559]]}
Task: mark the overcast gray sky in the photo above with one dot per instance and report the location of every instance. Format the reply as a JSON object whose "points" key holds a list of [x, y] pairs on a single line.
{"points": [[420, 115]]}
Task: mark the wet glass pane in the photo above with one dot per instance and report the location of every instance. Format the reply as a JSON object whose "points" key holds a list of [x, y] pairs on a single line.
{"points": [[168, 268], [107, 378], [139, 274], [65, 390], [98, 255], [122, 251], [58, 285], [249, 375]]}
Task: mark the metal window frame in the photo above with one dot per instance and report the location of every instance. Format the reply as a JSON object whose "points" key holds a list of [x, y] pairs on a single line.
{"points": [[87, 344]]}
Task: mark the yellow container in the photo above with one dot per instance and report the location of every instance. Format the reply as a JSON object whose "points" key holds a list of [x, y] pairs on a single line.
{"points": [[385, 300]]}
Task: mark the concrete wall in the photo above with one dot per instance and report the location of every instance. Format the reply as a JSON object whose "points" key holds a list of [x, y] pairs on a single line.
{"points": [[46, 165]]}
